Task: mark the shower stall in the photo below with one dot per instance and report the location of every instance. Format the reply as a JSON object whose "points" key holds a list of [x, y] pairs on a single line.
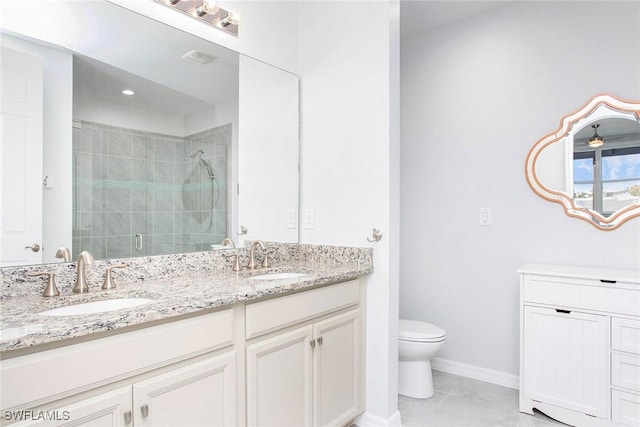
{"points": [[140, 193]]}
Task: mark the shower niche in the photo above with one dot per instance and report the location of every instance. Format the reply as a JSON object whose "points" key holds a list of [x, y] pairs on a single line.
{"points": [[140, 193]]}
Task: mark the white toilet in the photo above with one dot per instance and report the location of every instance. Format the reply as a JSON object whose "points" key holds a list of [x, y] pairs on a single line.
{"points": [[418, 343]]}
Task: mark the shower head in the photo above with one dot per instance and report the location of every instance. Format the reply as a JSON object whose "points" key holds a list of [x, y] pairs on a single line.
{"points": [[199, 152]]}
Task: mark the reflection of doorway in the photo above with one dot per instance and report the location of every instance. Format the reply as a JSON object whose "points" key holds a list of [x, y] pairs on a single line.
{"points": [[21, 163]]}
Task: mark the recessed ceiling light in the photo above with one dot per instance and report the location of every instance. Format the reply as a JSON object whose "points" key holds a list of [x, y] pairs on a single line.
{"points": [[128, 92]]}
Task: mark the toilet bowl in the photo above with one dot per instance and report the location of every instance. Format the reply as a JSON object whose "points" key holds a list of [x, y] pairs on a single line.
{"points": [[418, 343]]}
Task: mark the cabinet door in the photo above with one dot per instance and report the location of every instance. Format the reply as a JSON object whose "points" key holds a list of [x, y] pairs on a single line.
{"points": [[337, 369], [565, 359], [201, 394], [279, 371], [109, 409]]}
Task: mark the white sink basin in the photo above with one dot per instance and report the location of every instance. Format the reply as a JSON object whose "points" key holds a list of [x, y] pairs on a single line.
{"points": [[96, 307], [278, 276]]}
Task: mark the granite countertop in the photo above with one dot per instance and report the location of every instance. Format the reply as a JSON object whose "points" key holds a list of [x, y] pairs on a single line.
{"points": [[22, 328]]}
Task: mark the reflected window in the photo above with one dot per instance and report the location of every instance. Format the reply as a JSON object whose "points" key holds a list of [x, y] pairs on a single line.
{"points": [[620, 178], [583, 178], [606, 180]]}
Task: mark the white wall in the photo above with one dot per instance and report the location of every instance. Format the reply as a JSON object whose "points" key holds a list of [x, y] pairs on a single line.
{"points": [[349, 166], [476, 96], [127, 116], [57, 140], [268, 30], [268, 115]]}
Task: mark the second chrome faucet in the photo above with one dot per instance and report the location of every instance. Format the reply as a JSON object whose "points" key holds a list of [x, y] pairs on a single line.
{"points": [[252, 252], [84, 259]]}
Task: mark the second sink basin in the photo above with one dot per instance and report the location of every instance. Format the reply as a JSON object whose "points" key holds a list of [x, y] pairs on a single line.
{"points": [[278, 276], [96, 307]]}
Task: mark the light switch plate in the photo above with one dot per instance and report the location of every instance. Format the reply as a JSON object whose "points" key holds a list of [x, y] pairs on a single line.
{"points": [[485, 216], [291, 218], [308, 219]]}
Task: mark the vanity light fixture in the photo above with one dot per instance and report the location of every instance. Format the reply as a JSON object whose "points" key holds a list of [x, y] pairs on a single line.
{"points": [[206, 11], [596, 140], [205, 8], [230, 19]]}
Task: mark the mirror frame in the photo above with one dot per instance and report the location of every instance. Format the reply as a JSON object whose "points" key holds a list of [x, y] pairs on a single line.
{"points": [[594, 218]]}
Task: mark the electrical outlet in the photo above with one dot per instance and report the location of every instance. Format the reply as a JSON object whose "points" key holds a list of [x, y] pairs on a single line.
{"points": [[308, 219]]}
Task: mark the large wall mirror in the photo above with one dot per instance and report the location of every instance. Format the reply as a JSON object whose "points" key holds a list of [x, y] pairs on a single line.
{"points": [[591, 164], [127, 137]]}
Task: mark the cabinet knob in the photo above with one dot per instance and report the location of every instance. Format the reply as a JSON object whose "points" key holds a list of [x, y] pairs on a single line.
{"points": [[127, 417], [319, 340], [144, 409], [312, 343]]}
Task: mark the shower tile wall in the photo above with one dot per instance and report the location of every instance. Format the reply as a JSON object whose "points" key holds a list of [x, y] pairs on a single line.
{"points": [[129, 182]]}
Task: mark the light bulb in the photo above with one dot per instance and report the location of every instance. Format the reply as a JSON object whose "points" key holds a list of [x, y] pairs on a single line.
{"points": [[232, 18], [207, 7]]}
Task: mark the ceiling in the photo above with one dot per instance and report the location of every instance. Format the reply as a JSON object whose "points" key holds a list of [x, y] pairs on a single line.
{"points": [[421, 16]]}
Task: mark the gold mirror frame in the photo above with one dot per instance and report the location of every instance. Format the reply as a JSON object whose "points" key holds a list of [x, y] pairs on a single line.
{"points": [[594, 218]]}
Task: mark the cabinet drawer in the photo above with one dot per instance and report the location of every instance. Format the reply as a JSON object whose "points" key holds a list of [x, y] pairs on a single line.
{"points": [[625, 371], [266, 316], [625, 335], [625, 408], [74, 368], [623, 298]]}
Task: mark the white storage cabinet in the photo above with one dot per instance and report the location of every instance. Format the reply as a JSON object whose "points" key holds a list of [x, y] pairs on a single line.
{"points": [[580, 344]]}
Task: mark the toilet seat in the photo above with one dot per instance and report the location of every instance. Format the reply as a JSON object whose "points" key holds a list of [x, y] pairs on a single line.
{"points": [[415, 331]]}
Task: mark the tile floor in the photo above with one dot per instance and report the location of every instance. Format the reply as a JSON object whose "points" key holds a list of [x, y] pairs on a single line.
{"points": [[463, 402]]}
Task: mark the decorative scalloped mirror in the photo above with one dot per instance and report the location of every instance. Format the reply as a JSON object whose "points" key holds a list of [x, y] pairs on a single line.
{"points": [[591, 164]]}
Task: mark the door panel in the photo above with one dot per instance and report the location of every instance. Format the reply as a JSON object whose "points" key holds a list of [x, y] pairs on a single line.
{"points": [[21, 100]]}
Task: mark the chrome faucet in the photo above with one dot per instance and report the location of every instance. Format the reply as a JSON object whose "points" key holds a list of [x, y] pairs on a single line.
{"points": [[236, 261], [84, 259], [64, 254], [252, 261]]}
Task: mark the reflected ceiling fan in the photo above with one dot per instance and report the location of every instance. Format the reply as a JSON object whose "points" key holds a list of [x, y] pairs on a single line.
{"points": [[597, 140]]}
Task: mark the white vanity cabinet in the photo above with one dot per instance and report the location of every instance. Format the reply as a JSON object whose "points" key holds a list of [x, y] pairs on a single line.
{"points": [[202, 393], [580, 344], [180, 373], [305, 358], [107, 409], [296, 359]]}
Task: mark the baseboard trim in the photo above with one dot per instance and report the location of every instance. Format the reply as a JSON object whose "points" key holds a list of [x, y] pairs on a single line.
{"points": [[369, 420], [476, 372]]}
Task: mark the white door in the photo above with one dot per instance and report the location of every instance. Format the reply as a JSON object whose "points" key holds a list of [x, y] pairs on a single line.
{"points": [[337, 370], [565, 359], [21, 93], [200, 394], [279, 371], [110, 409]]}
